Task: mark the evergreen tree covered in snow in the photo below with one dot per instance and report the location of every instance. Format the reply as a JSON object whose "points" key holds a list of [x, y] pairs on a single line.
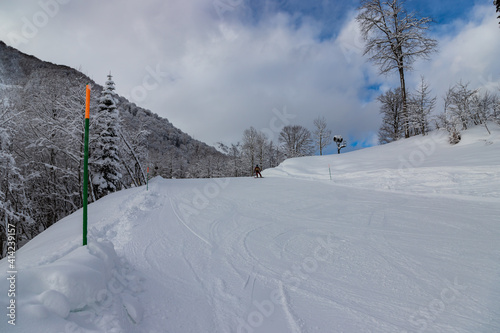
{"points": [[104, 157]]}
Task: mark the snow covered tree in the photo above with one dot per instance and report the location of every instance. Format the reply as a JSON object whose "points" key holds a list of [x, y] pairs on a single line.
{"points": [[52, 143], [205, 164], [420, 107], [249, 148], [460, 104], [394, 39], [261, 153], [253, 148], [296, 141], [14, 205], [233, 164], [133, 148], [274, 155], [9, 173], [465, 107], [391, 110], [495, 110], [105, 142], [484, 109], [322, 135]]}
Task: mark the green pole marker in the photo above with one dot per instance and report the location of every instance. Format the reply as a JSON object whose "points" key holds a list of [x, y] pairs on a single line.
{"points": [[147, 179], [86, 165]]}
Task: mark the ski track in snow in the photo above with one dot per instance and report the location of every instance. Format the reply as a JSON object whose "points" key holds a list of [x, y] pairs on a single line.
{"points": [[294, 322]]}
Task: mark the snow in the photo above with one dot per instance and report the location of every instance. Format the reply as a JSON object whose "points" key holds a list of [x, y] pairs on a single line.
{"points": [[404, 238], [9, 86]]}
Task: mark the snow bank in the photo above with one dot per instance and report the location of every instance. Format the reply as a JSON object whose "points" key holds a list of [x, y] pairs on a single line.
{"points": [[422, 164], [78, 277], [89, 287]]}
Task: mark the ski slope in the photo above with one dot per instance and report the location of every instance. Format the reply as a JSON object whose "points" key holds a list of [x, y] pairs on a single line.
{"points": [[403, 238]]}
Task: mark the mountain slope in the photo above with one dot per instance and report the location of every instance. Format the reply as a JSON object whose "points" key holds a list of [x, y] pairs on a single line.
{"points": [[426, 164], [292, 252], [165, 142]]}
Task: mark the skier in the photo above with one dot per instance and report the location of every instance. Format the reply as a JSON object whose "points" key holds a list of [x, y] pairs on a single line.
{"points": [[257, 171]]}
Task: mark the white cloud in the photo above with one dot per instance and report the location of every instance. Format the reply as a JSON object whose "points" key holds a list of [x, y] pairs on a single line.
{"points": [[471, 55], [214, 74], [233, 83]]}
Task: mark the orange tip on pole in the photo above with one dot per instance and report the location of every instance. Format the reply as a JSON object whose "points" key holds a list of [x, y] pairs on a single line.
{"points": [[87, 103]]}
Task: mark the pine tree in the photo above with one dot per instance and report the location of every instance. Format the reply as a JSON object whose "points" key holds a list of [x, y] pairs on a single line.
{"points": [[104, 157]]}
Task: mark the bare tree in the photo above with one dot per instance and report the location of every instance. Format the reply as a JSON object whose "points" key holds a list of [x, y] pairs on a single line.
{"points": [[274, 155], [495, 111], [394, 39], [322, 135], [484, 108], [249, 147], [296, 140], [421, 106], [254, 143], [460, 104], [14, 205], [391, 110], [133, 151], [261, 142], [466, 107], [51, 144]]}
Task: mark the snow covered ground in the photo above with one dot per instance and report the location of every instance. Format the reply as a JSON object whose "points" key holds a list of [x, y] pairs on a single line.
{"points": [[403, 238]]}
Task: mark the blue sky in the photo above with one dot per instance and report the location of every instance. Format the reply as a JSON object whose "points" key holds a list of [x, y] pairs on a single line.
{"points": [[443, 12], [216, 67], [332, 14]]}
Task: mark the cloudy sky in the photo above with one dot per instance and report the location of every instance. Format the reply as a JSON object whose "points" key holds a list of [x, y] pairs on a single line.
{"points": [[217, 67]]}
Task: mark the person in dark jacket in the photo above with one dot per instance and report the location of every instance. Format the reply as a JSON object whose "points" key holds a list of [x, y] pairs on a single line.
{"points": [[257, 171]]}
